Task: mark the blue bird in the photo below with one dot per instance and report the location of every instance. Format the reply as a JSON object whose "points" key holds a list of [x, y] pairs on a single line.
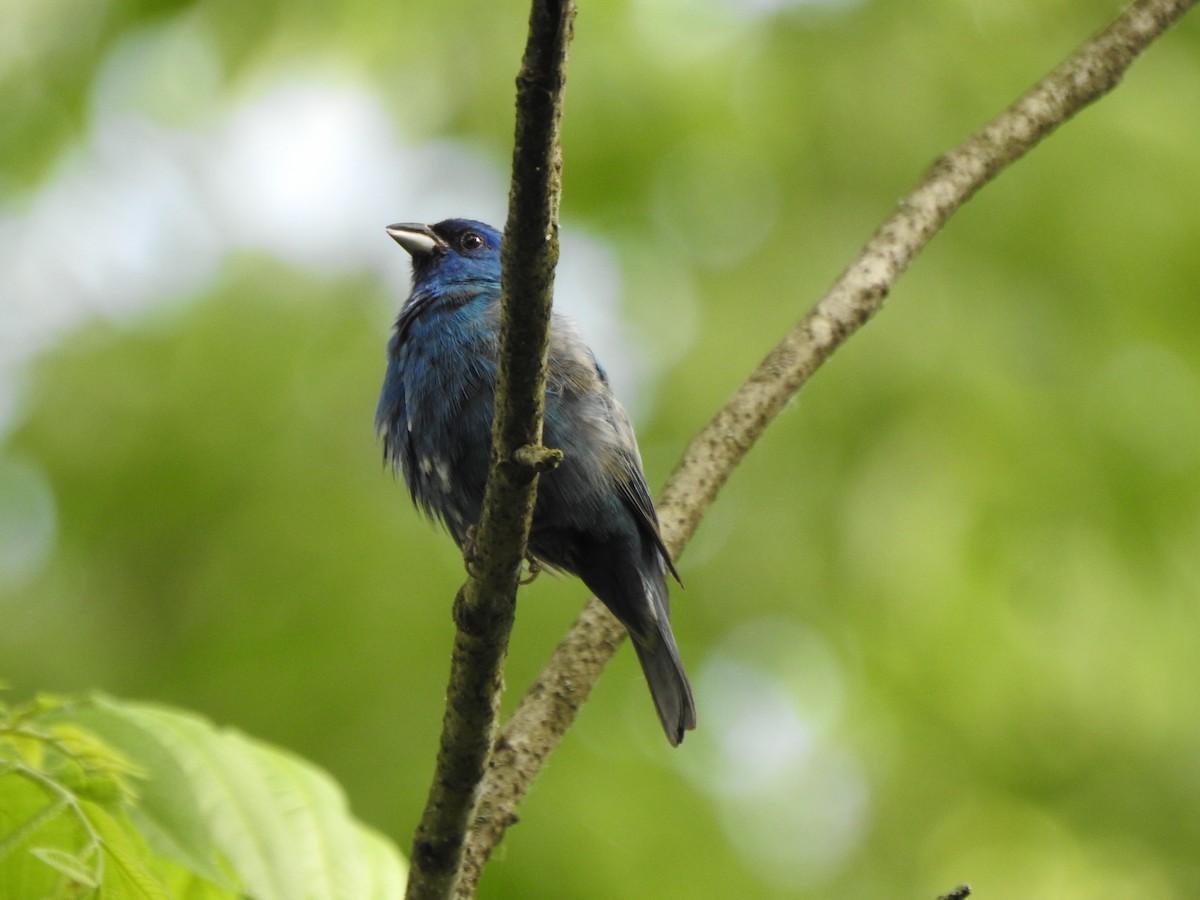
{"points": [[594, 516]]}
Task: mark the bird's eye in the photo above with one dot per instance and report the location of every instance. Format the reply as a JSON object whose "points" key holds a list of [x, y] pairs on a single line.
{"points": [[470, 241]]}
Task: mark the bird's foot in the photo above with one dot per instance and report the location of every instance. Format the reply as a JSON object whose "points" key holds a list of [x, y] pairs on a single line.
{"points": [[468, 551], [535, 569], [533, 566]]}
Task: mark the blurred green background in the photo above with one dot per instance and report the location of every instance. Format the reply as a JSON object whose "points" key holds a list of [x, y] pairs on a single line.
{"points": [[943, 623]]}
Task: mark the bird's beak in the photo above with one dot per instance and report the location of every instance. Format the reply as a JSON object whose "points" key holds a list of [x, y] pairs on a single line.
{"points": [[415, 238]]}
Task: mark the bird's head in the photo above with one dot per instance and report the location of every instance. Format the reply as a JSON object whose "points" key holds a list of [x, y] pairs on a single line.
{"points": [[450, 253]]}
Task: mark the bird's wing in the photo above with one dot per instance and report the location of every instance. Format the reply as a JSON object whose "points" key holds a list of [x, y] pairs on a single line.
{"points": [[636, 494]]}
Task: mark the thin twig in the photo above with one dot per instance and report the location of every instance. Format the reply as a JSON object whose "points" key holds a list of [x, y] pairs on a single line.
{"points": [[485, 605], [550, 705]]}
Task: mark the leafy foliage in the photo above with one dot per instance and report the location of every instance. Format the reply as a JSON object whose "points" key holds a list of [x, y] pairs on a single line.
{"points": [[100, 798]]}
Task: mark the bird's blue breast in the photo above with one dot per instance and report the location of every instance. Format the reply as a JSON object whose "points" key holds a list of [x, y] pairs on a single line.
{"points": [[435, 414], [435, 407]]}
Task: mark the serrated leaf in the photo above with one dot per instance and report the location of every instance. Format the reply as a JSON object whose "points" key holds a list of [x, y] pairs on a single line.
{"points": [[214, 811], [233, 804], [386, 879], [167, 812], [68, 864], [21, 821], [281, 823], [35, 813], [29, 750], [91, 752], [184, 885], [316, 817], [130, 864]]}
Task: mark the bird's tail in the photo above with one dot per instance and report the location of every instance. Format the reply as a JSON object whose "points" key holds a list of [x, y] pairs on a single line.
{"points": [[638, 597], [667, 680]]}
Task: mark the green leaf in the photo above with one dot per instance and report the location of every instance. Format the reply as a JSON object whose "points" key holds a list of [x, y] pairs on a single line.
{"points": [[166, 813], [385, 879], [129, 867], [281, 823], [148, 803], [71, 865], [40, 827]]}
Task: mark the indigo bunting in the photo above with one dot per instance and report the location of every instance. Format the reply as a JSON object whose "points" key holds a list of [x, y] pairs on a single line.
{"points": [[594, 517]]}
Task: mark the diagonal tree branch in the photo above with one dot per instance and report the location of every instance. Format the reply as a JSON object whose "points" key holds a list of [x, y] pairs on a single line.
{"points": [[485, 605], [550, 705]]}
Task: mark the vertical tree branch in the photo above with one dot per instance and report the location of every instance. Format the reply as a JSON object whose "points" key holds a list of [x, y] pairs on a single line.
{"points": [[550, 705], [485, 605]]}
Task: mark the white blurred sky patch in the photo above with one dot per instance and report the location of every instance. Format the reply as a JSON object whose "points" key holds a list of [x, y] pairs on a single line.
{"points": [[305, 164], [301, 166]]}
